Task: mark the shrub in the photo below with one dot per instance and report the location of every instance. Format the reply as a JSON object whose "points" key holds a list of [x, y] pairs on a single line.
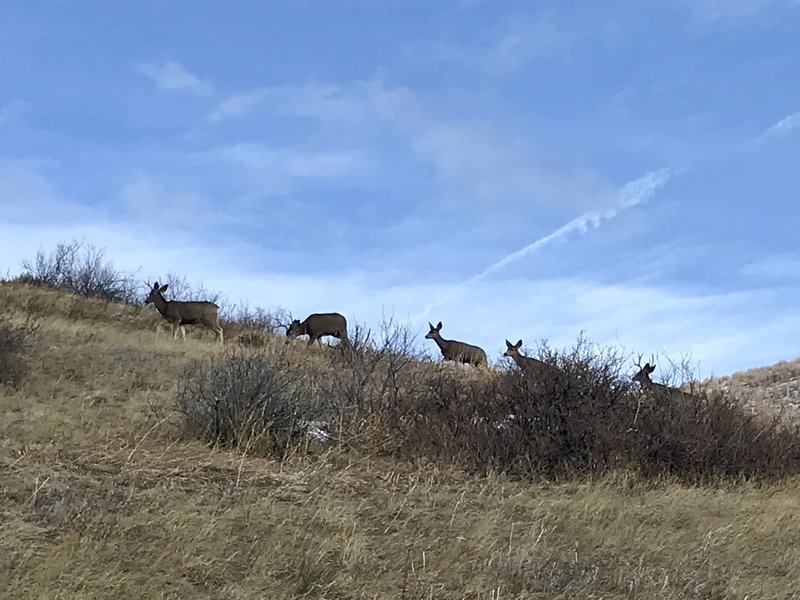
{"points": [[587, 421], [81, 269], [249, 401], [180, 289], [253, 326], [382, 398]]}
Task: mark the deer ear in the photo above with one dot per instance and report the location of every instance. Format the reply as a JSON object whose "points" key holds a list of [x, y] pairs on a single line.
{"points": [[652, 367], [163, 288], [508, 344], [155, 285], [431, 326], [438, 326], [518, 344]]}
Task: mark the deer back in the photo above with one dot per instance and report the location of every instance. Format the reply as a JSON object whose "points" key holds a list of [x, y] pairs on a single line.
{"points": [[319, 324], [192, 311], [464, 353]]}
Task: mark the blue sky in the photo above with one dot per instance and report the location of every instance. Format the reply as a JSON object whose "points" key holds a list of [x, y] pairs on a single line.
{"points": [[513, 169]]}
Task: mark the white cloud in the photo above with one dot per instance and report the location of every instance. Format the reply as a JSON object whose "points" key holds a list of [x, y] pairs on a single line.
{"points": [[631, 194], [782, 128], [173, 76]]}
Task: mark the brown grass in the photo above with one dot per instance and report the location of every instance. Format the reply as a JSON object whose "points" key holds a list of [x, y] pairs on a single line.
{"points": [[101, 497]]}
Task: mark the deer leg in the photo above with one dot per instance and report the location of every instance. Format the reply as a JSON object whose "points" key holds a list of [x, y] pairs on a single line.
{"points": [[183, 332], [174, 331]]}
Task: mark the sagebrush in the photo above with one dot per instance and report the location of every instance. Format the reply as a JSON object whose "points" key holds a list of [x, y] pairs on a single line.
{"points": [[584, 420]]}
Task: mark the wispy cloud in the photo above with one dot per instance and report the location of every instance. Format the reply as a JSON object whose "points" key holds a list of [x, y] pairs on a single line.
{"points": [[784, 267], [27, 193], [322, 101], [473, 159], [147, 198], [631, 194], [239, 104], [295, 163], [174, 77], [782, 128], [520, 42], [723, 331]]}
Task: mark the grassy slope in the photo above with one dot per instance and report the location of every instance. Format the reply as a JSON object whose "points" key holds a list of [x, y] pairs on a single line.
{"points": [[99, 497]]}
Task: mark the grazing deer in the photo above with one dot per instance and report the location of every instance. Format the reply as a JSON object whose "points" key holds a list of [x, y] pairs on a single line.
{"points": [[457, 351], [528, 364], [179, 313], [657, 389], [317, 325]]}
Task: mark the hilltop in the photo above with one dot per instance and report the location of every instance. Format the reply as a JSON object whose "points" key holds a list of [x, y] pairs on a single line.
{"points": [[104, 495]]}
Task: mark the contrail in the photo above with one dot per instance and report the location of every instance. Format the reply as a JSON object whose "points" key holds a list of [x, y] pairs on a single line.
{"points": [[631, 194]]}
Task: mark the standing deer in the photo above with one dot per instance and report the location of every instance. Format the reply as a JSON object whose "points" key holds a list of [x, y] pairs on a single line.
{"points": [[459, 352], [657, 389], [178, 313], [528, 364], [318, 325]]}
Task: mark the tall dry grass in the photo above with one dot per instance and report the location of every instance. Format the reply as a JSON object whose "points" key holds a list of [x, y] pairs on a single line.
{"points": [[103, 494]]}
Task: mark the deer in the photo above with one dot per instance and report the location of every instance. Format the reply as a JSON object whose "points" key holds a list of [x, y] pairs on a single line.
{"points": [[179, 313], [642, 377], [318, 325], [458, 352], [528, 364]]}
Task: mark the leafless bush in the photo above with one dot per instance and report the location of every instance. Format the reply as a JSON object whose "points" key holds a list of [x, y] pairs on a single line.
{"points": [[252, 326], [15, 347], [368, 367], [586, 420], [81, 269], [181, 289], [583, 419], [248, 400]]}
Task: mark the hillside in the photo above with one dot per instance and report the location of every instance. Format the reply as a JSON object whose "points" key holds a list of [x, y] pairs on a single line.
{"points": [[102, 496], [774, 389]]}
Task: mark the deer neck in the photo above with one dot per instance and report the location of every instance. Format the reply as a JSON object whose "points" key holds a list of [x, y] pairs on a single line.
{"points": [[161, 304], [441, 342], [652, 386], [522, 361]]}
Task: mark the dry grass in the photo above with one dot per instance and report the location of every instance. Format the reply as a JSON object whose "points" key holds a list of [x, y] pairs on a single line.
{"points": [[101, 497]]}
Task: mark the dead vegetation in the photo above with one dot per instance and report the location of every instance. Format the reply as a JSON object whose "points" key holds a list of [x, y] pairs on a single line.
{"points": [[104, 492]]}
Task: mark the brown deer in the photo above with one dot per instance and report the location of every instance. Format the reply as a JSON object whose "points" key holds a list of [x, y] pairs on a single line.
{"points": [[653, 388], [178, 313], [528, 364], [318, 325], [458, 352]]}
